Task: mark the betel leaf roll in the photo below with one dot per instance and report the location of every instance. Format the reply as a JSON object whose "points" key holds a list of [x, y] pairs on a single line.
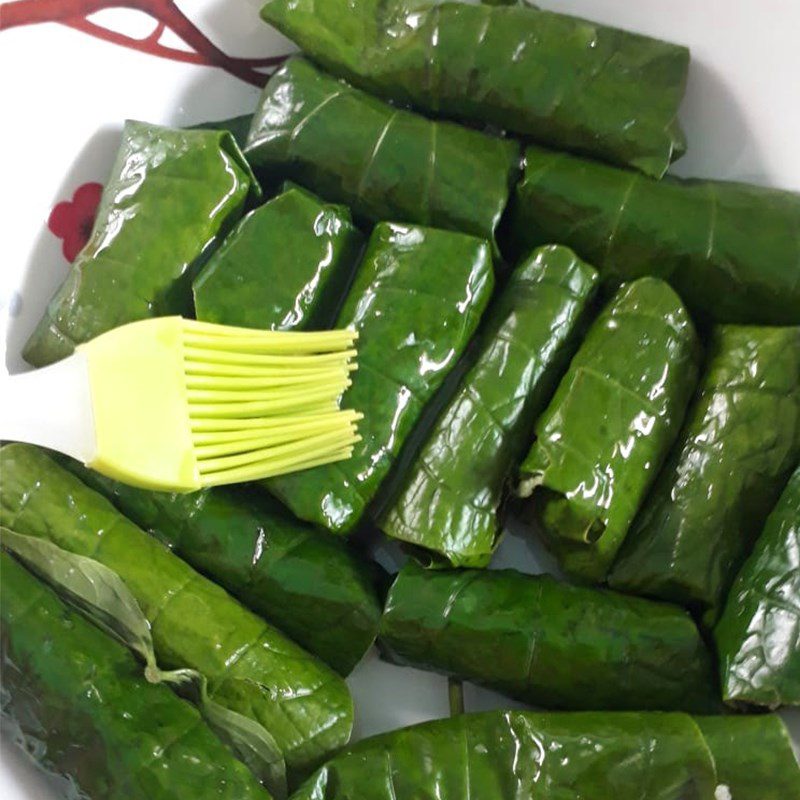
{"points": [[610, 425], [449, 501], [732, 251], [80, 702], [758, 635], [557, 79], [171, 195], [383, 162], [549, 643], [417, 298], [317, 591], [105, 599], [525, 755], [251, 668], [735, 453], [285, 266], [753, 756]]}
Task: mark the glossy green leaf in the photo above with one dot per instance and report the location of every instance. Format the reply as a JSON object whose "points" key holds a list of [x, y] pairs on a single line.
{"points": [[251, 743], [738, 446], [518, 755], [105, 599], [315, 589], [758, 635], [92, 587], [236, 126], [559, 80], [171, 195], [753, 756], [80, 703], [383, 162], [608, 429], [250, 667], [732, 251], [416, 300], [548, 643], [285, 266], [449, 501]]}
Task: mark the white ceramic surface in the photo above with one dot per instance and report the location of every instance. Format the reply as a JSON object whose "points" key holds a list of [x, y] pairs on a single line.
{"points": [[64, 94]]}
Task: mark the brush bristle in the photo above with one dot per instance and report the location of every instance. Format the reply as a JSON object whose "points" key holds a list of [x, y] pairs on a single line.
{"points": [[263, 403]]}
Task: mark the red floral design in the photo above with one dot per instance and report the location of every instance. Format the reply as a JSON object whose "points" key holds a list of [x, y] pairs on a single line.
{"points": [[72, 220], [166, 14]]}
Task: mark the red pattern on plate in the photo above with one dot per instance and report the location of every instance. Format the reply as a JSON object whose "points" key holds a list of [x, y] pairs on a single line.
{"points": [[75, 13], [72, 220]]}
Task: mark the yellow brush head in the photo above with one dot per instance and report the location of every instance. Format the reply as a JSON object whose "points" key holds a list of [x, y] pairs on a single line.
{"points": [[180, 405]]}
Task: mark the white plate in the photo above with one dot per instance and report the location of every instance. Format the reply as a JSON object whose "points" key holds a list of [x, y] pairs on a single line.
{"points": [[65, 94]]}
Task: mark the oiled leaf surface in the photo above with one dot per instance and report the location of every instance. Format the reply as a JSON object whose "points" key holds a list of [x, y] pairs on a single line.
{"points": [[416, 300], [448, 505], [320, 593], [548, 643], [517, 755], [383, 162], [250, 667], [609, 427], [556, 79], [758, 635], [738, 446], [79, 700], [171, 196], [731, 250]]}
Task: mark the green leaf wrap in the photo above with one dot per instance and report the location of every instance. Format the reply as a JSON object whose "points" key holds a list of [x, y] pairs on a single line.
{"points": [[732, 251], [82, 699], [171, 196], [105, 600], [739, 444], [285, 266], [385, 163], [548, 643], [416, 300], [448, 504], [610, 425], [559, 80], [251, 667], [518, 755], [238, 127], [753, 756], [758, 635], [311, 586]]}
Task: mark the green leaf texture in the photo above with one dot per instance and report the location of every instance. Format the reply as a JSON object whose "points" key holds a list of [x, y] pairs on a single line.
{"points": [[739, 444], [251, 668], [311, 586], [383, 162], [107, 602], [758, 635], [416, 300], [753, 756], [548, 643], [286, 266], [556, 79], [80, 701], [449, 502], [518, 755], [171, 196], [609, 427], [236, 126], [89, 585], [731, 250]]}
